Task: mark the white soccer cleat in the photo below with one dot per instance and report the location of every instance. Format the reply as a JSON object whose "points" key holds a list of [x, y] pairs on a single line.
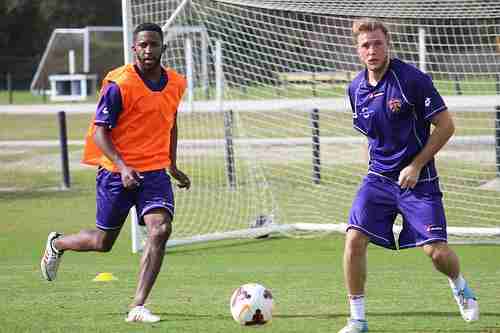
{"points": [[467, 303], [51, 258], [355, 326], [141, 314]]}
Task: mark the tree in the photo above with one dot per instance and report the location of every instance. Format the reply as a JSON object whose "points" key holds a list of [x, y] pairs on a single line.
{"points": [[26, 27]]}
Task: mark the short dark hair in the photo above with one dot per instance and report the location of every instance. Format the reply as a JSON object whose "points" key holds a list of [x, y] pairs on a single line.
{"points": [[148, 27]]}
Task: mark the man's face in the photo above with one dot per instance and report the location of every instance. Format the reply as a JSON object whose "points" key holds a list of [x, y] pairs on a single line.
{"points": [[148, 49], [373, 50]]}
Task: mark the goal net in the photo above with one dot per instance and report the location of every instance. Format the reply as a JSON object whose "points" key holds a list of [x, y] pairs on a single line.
{"points": [[265, 130]]}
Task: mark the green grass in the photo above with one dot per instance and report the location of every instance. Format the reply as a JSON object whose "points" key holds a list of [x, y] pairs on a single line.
{"points": [[276, 124], [41, 126], [26, 97], [485, 86], [21, 97], [38, 168], [404, 293], [470, 86]]}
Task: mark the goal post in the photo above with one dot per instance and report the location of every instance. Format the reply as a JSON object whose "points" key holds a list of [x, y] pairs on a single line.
{"points": [[90, 50], [275, 65]]}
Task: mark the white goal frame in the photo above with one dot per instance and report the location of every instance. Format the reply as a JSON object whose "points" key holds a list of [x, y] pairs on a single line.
{"points": [[86, 56], [457, 104]]}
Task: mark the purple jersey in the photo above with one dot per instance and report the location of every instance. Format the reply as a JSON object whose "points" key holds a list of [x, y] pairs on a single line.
{"points": [[109, 106], [395, 117]]}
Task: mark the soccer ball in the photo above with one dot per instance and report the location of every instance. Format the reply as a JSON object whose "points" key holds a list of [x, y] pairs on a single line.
{"points": [[252, 304]]}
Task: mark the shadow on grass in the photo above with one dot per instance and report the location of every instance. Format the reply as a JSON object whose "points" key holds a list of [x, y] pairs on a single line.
{"points": [[468, 327], [39, 193], [321, 316], [170, 316], [427, 314], [218, 245]]}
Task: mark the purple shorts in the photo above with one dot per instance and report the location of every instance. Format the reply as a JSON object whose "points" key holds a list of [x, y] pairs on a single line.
{"points": [[380, 199], [114, 201]]}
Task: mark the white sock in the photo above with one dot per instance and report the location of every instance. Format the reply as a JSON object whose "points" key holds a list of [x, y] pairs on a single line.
{"points": [[458, 283], [357, 306]]}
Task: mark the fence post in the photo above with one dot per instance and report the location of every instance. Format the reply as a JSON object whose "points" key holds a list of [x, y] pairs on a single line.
{"points": [[63, 140], [497, 138], [228, 135], [44, 95], [316, 160], [497, 76], [9, 88], [314, 84], [457, 85]]}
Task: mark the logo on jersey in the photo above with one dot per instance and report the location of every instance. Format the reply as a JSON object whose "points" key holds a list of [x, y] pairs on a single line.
{"points": [[365, 113], [394, 105], [376, 94], [427, 102]]}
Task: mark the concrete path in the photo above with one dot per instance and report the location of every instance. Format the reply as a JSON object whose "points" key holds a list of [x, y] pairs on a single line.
{"points": [[455, 104]]}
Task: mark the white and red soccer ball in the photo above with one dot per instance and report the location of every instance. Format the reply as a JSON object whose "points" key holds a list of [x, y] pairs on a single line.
{"points": [[252, 304]]}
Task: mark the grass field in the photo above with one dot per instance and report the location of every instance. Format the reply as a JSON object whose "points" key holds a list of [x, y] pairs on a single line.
{"points": [[404, 293], [476, 86], [208, 125]]}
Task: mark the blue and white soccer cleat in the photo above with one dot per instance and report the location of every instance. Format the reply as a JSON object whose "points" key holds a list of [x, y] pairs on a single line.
{"points": [[51, 258], [141, 314], [467, 303], [355, 326]]}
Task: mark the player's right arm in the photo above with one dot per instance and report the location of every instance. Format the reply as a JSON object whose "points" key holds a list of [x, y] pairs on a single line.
{"points": [[108, 110], [350, 101]]}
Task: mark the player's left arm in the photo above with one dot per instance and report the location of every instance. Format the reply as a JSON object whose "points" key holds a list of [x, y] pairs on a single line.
{"points": [[181, 177], [444, 127], [431, 106]]}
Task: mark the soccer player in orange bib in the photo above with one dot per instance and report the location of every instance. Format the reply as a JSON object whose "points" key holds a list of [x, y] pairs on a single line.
{"points": [[133, 141]]}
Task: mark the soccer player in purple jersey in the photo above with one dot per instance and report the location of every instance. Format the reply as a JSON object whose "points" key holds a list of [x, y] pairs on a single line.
{"points": [[394, 105]]}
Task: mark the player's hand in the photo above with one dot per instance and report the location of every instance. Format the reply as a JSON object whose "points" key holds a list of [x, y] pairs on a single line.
{"points": [[408, 177], [181, 177], [130, 178]]}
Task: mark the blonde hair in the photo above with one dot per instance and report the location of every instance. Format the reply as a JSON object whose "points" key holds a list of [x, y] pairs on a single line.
{"points": [[368, 25]]}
